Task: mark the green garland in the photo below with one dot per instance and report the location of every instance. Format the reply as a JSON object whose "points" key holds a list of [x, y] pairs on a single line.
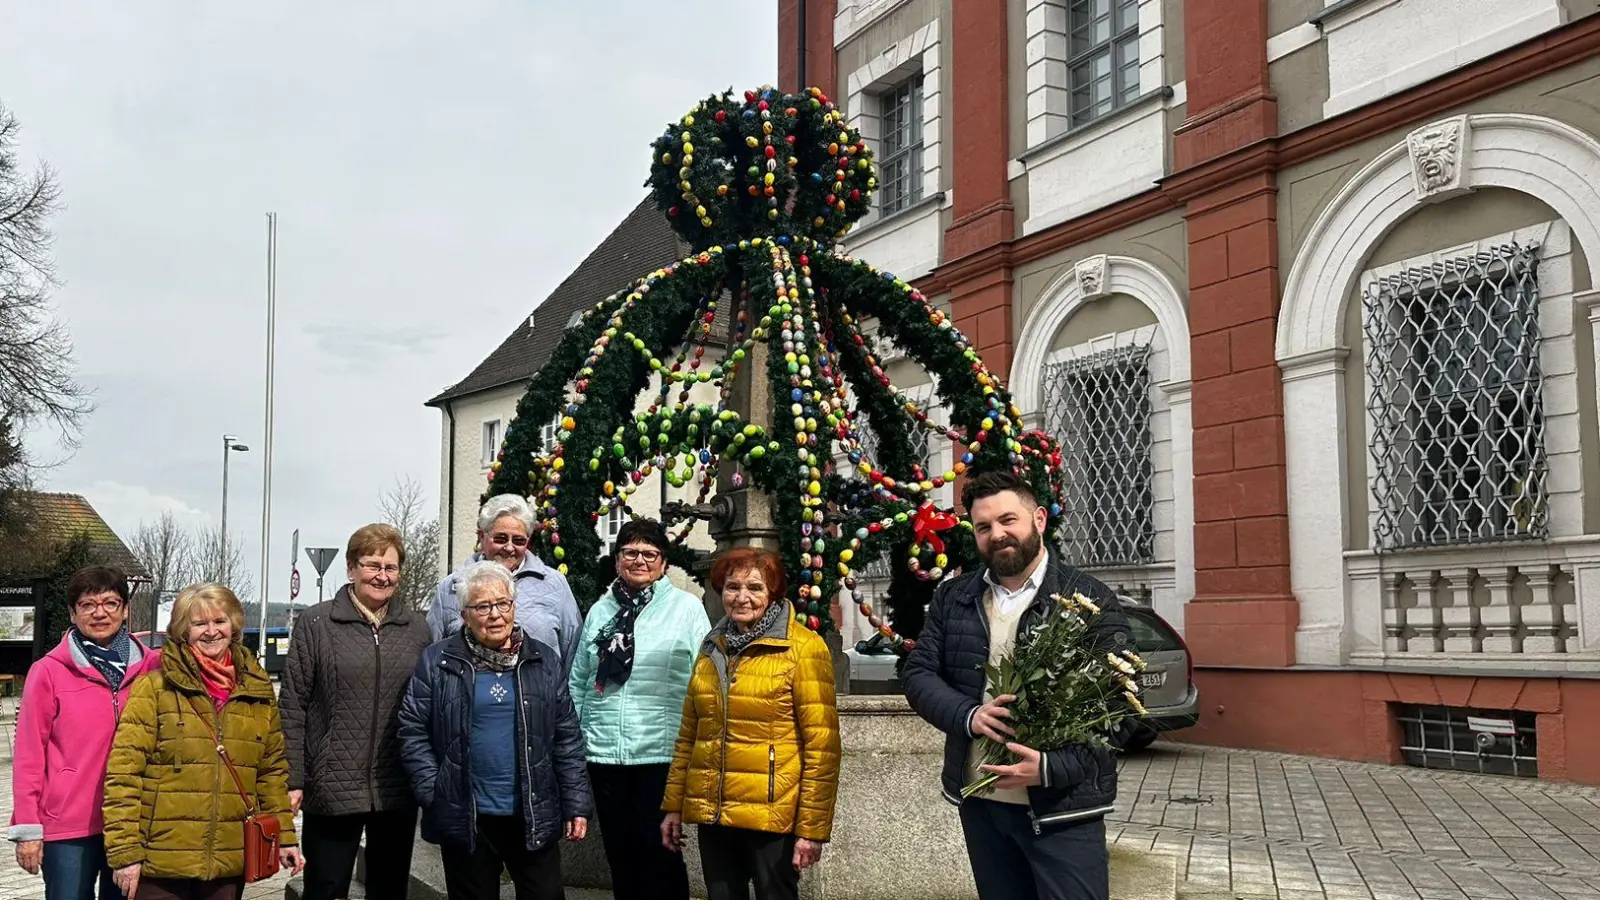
{"points": [[760, 188]]}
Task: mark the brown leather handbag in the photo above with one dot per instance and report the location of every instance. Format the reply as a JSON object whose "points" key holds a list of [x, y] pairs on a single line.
{"points": [[260, 829]]}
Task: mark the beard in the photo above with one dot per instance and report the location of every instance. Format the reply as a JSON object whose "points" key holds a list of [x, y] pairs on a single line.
{"points": [[1010, 556]]}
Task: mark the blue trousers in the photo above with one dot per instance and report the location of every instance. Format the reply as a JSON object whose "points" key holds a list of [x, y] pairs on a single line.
{"points": [[72, 867]]}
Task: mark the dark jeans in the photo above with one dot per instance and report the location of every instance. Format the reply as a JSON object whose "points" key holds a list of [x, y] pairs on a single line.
{"points": [[330, 844], [71, 868], [1010, 862], [732, 858], [502, 842], [628, 801], [189, 889]]}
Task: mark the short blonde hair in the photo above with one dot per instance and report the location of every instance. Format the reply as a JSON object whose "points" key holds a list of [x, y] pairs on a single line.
{"points": [[374, 539], [199, 597]]}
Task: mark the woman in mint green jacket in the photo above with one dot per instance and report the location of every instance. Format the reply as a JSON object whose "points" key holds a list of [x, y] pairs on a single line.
{"points": [[629, 676]]}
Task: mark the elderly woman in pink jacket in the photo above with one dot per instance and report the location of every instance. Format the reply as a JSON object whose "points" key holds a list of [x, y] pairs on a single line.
{"points": [[70, 705]]}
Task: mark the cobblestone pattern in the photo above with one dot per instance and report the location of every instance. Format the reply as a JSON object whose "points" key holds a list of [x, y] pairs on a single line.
{"points": [[1263, 825]]}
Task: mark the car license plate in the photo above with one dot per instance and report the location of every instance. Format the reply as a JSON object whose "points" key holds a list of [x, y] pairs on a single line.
{"points": [[1152, 679]]}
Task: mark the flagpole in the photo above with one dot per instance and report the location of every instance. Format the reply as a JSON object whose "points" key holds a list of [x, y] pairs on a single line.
{"points": [[266, 475]]}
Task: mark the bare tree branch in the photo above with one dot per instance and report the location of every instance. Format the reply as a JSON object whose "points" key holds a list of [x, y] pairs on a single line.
{"points": [[210, 560], [405, 507], [167, 553], [36, 370]]}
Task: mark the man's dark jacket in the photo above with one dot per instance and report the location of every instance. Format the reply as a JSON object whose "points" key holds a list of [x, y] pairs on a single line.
{"points": [[436, 733], [944, 683], [340, 703]]}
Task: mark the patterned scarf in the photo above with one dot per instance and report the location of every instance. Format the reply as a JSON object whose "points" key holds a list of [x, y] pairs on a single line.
{"points": [[218, 675], [487, 659], [737, 640], [615, 641], [112, 661]]}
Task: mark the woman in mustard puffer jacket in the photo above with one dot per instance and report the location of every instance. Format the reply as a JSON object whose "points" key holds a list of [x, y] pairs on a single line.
{"points": [[174, 816], [756, 764]]}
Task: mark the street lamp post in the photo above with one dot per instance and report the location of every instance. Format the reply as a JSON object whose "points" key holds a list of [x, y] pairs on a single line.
{"points": [[229, 444]]}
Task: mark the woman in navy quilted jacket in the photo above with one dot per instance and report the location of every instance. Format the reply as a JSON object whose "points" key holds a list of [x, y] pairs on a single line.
{"points": [[491, 742], [629, 677]]}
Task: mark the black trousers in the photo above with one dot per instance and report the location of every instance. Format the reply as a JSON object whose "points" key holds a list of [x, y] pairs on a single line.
{"points": [[628, 801], [330, 844], [1010, 862], [733, 858], [502, 843]]}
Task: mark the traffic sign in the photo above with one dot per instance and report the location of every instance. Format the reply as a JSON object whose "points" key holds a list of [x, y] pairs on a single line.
{"points": [[294, 583], [321, 557]]}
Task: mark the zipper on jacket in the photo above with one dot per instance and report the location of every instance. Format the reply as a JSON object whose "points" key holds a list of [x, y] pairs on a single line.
{"points": [[772, 772], [377, 701], [522, 749], [722, 768]]}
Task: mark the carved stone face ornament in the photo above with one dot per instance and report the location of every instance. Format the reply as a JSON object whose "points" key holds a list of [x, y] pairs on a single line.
{"points": [[1437, 151]]}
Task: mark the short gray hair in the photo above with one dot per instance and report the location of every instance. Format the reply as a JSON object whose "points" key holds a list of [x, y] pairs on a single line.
{"points": [[480, 573], [505, 505]]}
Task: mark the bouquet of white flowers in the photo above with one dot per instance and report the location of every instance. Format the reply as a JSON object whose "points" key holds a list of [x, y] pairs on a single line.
{"points": [[1068, 688]]}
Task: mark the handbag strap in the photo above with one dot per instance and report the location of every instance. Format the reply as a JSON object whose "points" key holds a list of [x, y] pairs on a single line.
{"points": [[249, 806]]}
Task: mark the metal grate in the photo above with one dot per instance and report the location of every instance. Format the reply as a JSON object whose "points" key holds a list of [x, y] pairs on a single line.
{"points": [[1098, 406], [1103, 71], [1489, 741], [1455, 398], [900, 166]]}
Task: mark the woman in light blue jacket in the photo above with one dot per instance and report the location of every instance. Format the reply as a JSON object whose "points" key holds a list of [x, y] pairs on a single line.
{"points": [[630, 672]]}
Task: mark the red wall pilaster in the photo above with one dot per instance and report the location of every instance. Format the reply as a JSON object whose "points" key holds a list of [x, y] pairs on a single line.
{"points": [[821, 65], [1243, 612], [983, 215]]}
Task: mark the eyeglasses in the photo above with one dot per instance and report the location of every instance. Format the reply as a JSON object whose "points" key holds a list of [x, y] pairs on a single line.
{"points": [[373, 568], [649, 556], [503, 607], [87, 607], [515, 540]]}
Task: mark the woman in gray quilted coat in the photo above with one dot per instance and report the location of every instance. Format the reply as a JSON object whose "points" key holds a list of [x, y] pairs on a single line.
{"points": [[348, 667]]}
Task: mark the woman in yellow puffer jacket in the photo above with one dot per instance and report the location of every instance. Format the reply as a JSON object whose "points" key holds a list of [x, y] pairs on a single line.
{"points": [[756, 764]]}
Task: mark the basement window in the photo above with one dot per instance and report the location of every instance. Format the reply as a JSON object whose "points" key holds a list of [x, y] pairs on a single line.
{"points": [[1461, 739]]}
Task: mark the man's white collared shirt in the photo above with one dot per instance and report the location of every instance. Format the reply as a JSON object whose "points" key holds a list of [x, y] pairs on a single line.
{"points": [[1006, 601]]}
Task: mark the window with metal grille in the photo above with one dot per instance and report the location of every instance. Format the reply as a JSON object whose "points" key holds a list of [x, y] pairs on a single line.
{"points": [[1098, 407], [900, 164], [1455, 401], [1103, 68], [1491, 741]]}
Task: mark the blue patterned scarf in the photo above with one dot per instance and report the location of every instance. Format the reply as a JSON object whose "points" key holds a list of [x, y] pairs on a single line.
{"points": [[112, 661]]}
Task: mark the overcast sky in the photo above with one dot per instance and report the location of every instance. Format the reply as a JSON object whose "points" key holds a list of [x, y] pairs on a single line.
{"points": [[437, 170]]}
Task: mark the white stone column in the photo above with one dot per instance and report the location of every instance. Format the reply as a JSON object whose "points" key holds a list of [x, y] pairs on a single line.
{"points": [[1181, 423], [1313, 425]]}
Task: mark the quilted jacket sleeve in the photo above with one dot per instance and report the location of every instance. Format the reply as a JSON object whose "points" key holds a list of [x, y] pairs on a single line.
{"points": [[678, 775], [817, 723], [131, 750], [416, 745], [577, 801], [444, 614], [927, 690], [299, 684], [272, 778]]}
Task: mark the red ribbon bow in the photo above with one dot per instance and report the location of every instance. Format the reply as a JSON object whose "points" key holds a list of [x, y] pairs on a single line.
{"points": [[929, 522]]}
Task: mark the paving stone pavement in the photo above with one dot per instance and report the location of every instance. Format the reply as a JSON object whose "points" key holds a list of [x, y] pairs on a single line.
{"points": [[1268, 826], [1247, 825]]}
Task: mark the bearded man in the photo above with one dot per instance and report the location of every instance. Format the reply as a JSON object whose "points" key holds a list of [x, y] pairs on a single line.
{"points": [[1041, 833]]}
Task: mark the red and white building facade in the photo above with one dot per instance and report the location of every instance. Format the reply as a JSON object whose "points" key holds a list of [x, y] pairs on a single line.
{"points": [[1306, 287]]}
